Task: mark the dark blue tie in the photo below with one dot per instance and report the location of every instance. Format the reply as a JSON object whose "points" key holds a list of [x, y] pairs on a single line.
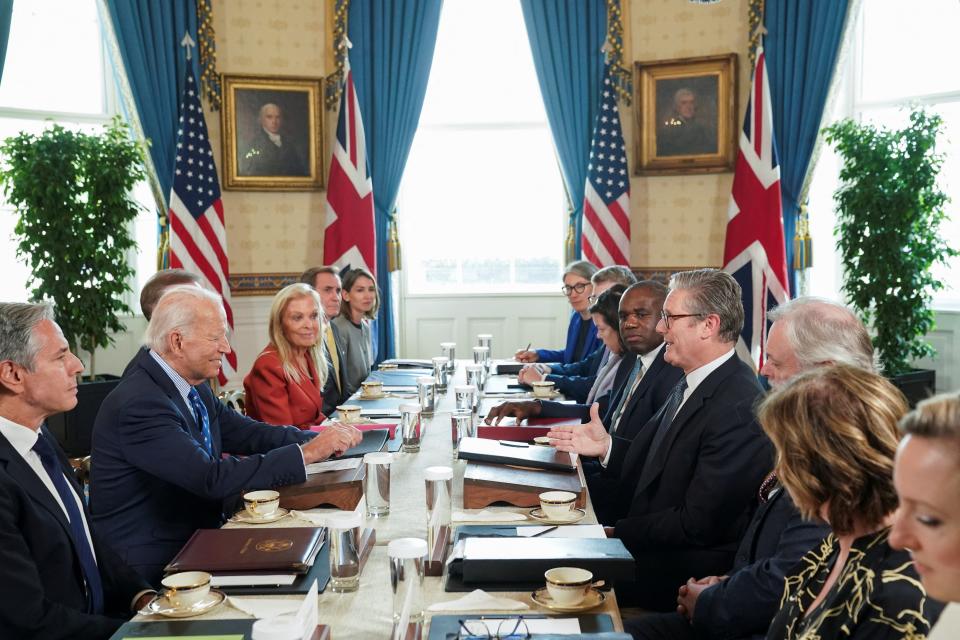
{"points": [[669, 413], [203, 419], [81, 543]]}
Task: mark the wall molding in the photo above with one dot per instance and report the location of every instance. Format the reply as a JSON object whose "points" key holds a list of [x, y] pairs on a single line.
{"points": [[260, 284]]}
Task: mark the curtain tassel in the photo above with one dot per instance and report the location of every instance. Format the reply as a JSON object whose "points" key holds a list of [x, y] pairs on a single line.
{"points": [[802, 242], [163, 246], [570, 245], [393, 246]]}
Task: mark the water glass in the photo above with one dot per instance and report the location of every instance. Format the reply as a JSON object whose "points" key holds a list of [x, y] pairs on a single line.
{"points": [[408, 557], [475, 376], [344, 532], [486, 340], [426, 392], [461, 426], [376, 484], [466, 395], [440, 373], [449, 350], [410, 427], [439, 482]]}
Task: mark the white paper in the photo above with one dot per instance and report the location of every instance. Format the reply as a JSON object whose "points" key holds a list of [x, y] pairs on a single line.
{"points": [[333, 465], [559, 626], [565, 531], [479, 600], [487, 515], [262, 608], [308, 616], [252, 580]]}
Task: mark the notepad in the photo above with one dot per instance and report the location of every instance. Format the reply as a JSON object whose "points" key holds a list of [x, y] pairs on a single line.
{"points": [[333, 465]]}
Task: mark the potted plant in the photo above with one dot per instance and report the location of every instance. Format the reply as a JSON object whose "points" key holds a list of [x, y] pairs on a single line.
{"points": [[890, 209], [72, 193]]}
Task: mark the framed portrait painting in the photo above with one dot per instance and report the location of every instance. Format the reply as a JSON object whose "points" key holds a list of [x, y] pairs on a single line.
{"points": [[686, 115], [272, 133]]}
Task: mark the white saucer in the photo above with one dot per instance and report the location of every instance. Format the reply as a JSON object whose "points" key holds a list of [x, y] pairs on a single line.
{"points": [[161, 606], [378, 396], [246, 518], [593, 599], [575, 516], [550, 396]]}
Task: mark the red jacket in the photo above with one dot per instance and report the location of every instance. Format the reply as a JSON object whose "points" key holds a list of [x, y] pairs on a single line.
{"points": [[273, 398]]}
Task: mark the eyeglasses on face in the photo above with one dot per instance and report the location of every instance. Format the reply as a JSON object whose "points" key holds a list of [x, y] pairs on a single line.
{"points": [[669, 317], [503, 629], [580, 287]]}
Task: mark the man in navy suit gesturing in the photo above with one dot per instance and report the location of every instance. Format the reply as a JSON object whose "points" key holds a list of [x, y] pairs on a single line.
{"points": [[158, 471], [59, 580]]}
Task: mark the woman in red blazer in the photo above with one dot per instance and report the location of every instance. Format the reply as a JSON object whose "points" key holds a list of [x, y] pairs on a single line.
{"points": [[283, 387]]}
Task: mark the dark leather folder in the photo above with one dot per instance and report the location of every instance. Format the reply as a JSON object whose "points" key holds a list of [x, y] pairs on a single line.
{"points": [[373, 440], [508, 368], [515, 453], [197, 628], [320, 571], [592, 625], [514, 564], [276, 549]]}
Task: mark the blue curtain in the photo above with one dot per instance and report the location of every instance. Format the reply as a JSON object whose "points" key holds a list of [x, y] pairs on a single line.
{"points": [[149, 35], [392, 54], [802, 42], [6, 12], [566, 37]]}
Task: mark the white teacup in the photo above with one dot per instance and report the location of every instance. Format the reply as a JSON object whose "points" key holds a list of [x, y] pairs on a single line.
{"points": [[349, 413], [568, 586], [543, 388], [371, 389], [184, 590], [261, 504], [557, 505]]}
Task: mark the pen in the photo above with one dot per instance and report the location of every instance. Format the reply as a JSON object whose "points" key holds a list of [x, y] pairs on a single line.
{"points": [[547, 530], [529, 344]]}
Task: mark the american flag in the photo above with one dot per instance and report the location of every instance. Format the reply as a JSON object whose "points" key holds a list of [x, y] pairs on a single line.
{"points": [[754, 252], [198, 241], [606, 202], [348, 240]]}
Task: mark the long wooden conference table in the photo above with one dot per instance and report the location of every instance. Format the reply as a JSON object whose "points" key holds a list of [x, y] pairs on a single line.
{"points": [[367, 612]]}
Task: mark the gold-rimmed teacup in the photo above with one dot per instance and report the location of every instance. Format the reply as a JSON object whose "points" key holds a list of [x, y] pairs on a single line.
{"points": [[371, 389], [261, 504], [568, 586], [557, 505], [349, 413], [186, 589]]}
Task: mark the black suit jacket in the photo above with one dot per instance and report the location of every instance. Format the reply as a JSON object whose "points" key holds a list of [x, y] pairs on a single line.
{"points": [[692, 500], [43, 589], [151, 482], [743, 605], [651, 394], [551, 409], [333, 395]]}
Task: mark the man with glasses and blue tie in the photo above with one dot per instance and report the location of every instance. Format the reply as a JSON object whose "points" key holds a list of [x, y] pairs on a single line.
{"points": [[158, 469], [59, 580], [688, 477]]}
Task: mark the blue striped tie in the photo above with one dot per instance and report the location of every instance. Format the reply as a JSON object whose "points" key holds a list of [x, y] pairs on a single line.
{"points": [[203, 419], [81, 543]]}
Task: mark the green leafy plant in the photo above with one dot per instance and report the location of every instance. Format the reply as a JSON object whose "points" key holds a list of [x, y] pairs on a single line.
{"points": [[72, 193], [890, 209]]}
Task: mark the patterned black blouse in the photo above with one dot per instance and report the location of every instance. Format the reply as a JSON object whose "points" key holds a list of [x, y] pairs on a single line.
{"points": [[878, 595]]}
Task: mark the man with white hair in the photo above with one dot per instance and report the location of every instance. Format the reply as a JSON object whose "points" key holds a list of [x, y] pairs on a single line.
{"points": [[158, 469]]}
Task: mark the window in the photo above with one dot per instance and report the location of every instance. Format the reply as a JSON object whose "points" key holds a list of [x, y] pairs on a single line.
{"points": [[482, 206], [65, 83], [897, 62]]}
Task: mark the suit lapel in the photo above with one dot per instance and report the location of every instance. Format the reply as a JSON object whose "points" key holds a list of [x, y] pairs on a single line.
{"points": [[27, 478], [160, 377], [646, 382], [652, 468]]}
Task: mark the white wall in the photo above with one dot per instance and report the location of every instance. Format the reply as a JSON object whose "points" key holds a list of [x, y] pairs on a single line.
{"points": [[946, 340]]}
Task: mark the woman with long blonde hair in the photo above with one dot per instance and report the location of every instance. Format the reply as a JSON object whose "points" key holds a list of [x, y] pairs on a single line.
{"points": [[284, 385]]}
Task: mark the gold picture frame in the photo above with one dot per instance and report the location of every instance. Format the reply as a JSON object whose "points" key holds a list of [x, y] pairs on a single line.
{"points": [[686, 113], [272, 133]]}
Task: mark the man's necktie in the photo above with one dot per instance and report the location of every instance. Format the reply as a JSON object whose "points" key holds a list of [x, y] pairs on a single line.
{"points": [[633, 381], [91, 574], [334, 357], [669, 413], [203, 419]]}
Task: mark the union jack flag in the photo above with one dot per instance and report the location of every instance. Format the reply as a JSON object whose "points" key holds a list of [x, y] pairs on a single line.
{"points": [[606, 201], [349, 237], [198, 241], [754, 252]]}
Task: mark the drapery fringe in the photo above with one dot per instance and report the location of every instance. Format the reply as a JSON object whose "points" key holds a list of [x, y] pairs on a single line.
{"points": [[755, 29], [338, 37], [394, 256], [802, 242], [206, 39], [619, 75]]}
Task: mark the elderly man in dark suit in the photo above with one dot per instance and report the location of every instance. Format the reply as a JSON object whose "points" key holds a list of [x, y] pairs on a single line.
{"points": [[158, 471], [59, 579], [689, 475], [806, 333]]}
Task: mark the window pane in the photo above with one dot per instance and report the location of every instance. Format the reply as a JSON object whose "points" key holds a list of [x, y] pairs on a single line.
{"points": [[54, 58], [906, 48]]}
